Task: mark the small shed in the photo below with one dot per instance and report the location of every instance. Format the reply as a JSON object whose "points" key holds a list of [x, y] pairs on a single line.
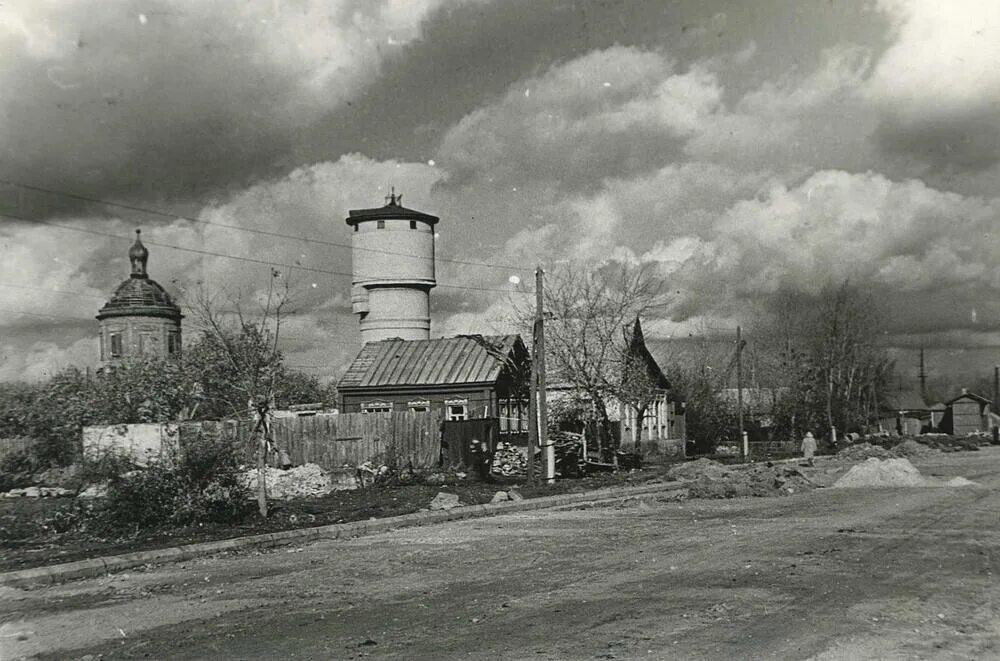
{"points": [[968, 413]]}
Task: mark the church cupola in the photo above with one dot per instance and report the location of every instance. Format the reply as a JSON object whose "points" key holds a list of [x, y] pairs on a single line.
{"points": [[138, 255]]}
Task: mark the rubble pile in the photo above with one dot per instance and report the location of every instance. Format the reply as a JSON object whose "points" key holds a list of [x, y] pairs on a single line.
{"points": [[861, 451], [306, 481], [911, 448], [897, 472], [40, 492], [508, 459], [709, 479]]}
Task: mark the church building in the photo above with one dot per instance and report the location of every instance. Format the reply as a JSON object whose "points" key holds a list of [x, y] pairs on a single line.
{"points": [[140, 320]]}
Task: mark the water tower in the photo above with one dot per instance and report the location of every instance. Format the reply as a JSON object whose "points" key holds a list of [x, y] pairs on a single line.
{"points": [[393, 270]]}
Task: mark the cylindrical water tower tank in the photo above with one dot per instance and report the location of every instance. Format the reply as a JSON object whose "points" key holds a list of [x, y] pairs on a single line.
{"points": [[393, 271]]}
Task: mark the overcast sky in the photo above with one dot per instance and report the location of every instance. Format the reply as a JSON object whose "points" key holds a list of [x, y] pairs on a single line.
{"points": [[740, 146]]}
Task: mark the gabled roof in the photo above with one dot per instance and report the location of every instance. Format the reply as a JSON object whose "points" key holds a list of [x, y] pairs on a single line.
{"points": [[441, 361], [969, 395]]}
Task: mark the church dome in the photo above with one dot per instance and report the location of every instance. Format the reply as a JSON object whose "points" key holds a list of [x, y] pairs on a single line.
{"points": [[140, 295]]}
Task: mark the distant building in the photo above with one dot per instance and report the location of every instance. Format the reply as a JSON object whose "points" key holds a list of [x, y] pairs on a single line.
{"points": [[968, 413], [140, 320], [393, 271]]}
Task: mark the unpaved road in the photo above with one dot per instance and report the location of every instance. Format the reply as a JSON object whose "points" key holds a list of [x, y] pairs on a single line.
{"points": [[831, 574]]}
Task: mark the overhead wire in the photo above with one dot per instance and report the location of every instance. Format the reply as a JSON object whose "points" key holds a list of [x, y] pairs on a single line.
{"points": [[251, 230], [269, 263]]}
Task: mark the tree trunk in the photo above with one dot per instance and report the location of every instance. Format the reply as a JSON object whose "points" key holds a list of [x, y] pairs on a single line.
{"points": [[262, 466]]}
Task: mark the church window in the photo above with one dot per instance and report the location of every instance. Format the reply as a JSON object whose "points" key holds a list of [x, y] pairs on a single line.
{"points": [[116, 345]]}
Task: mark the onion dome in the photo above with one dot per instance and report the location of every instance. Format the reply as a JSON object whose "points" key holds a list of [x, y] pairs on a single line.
{"points": [[393, 210], [140, 295]]}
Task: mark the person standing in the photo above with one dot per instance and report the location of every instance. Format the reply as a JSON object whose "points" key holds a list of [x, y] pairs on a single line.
{"points": [[809, 447]]}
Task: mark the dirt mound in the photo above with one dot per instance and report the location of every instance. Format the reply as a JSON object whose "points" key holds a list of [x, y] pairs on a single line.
{"points": [[306, 481], [709, 479], [861, 451], [691, 470], [911, 448], [897, 472]]}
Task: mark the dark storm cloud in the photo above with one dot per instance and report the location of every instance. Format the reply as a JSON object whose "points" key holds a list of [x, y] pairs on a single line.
{"points": [[162, 100]]}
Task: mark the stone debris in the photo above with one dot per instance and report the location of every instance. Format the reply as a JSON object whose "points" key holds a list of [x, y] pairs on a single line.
{"points": [[897, 472], [710, 479], [39, 492], [445, 501], [500, 497], [306, 481], [94, 491], [911, 448]]}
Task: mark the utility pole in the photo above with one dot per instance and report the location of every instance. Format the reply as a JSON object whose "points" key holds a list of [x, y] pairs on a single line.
{"points": [[744, 449], [538, 367], [996, 388], [923, 377]]}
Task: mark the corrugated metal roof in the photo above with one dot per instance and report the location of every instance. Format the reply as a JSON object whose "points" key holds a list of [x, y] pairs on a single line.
{"points": [[441, 361]]}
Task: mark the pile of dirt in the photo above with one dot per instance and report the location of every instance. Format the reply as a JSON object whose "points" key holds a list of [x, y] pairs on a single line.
{"points": [[911, 448], [698, 468], [897, 472], [306, 481], [861, 451], [709, 479]]}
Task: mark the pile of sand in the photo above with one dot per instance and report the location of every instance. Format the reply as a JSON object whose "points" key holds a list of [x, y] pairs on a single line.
{"points": [[306, 481], [893, 473]]}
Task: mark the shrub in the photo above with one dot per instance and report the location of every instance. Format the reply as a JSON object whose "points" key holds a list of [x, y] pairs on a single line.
{"points": [[17, 468], [202, 484]]}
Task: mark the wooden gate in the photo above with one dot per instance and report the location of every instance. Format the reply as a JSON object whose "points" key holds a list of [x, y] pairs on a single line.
{"points": [[459, 435]]}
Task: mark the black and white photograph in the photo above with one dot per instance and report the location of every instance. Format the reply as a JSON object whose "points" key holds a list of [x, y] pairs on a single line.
{"points": [[499, 329]]}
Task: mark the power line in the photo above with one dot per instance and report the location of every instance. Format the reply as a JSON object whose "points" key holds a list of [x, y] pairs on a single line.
{"points": [[310, 269], [51, 291], [280, 235]]}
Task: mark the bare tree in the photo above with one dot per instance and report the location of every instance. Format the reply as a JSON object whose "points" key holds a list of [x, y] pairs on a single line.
{"points": [[824, 349], [588, 316], [244, 338]]}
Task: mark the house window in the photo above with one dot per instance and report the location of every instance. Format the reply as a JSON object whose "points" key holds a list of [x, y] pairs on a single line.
{"points": [[380, 224], [413, 224], [457, 409], [376, 407], [419, 406], [355, 227], [116, 345], [173, 343]]}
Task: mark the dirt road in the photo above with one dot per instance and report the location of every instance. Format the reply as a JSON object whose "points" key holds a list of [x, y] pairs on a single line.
{"points": [[831, 574]]}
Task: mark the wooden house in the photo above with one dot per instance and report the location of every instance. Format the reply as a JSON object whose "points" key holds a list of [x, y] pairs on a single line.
{"points": [[656, 425], [463, 378]]}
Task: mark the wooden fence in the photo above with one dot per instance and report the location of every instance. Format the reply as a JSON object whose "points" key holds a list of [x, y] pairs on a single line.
{"points": [[15, 444], [397, 439]]}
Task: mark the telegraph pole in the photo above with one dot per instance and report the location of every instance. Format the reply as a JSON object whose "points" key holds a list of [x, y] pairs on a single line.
{"points": [[538, 367], [744, 449], [923, 377]]}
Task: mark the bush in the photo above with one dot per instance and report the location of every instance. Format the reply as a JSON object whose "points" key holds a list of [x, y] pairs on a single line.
{"points": [[17, 468], [203, 484]]}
